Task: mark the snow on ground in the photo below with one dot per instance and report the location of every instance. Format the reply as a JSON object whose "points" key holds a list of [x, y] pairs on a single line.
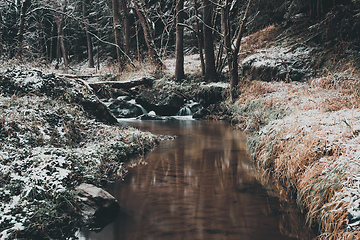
{"points": [[192, 65], [313, 146], [48, 146]]}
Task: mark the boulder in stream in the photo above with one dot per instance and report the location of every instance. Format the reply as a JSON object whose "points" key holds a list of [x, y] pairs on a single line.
{"points": [[125, 109], [164, 103], [99, 207], [152, 116]]}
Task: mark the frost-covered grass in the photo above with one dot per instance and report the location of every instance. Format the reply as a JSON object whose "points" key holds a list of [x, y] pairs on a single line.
{"points": [[307, 135], [48, 147]]}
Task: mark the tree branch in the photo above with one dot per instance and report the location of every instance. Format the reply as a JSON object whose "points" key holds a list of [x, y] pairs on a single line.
{"points": [[115, 45], [242, 29]]}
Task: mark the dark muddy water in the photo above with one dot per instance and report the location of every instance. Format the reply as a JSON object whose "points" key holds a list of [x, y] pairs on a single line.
{"points": [[198, 186]]}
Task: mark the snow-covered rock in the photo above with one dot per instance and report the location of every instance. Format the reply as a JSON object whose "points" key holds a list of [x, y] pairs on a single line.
{"points": [[279, 63]]}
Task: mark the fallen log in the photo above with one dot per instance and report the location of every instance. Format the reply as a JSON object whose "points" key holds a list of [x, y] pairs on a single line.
{"points": [[77, 76], [146, 81]]}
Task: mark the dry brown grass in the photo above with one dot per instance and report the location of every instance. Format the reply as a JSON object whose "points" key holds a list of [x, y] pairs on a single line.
{"points": [[302, 151], [317, 187], [263, 38], [250, 90], [295, 163]]}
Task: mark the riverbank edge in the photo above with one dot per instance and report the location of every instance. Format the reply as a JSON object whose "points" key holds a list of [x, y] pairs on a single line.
{"points": [[50, 145], [302, 138]]}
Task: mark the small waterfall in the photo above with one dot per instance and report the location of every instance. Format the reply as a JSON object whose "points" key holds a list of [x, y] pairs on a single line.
{"points": [[184, 111], [189, 108], [136, 104]]}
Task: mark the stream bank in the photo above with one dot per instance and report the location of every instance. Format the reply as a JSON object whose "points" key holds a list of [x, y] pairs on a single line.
{"points": [[54, 135]]}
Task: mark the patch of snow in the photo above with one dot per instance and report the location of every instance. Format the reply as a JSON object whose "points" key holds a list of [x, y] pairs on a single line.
{"points": [[217, 84]]}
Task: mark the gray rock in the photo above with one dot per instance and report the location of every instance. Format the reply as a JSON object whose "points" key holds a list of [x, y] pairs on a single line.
{"points": [[280, 63], [124, 109], [21, 80], [99, 207], [164, 103], [152, 116]]}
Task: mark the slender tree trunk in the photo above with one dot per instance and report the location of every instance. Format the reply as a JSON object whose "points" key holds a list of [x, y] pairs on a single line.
{"points": [[61, 44], [116, 22], [52, 44], [232, 54], [58, 52], [199, 40], [61, 6], [98, 43], [24, 7], [210, 71], [1, 36], [137, 39], [88, 37], [148, 39], [126, 27], [179, 48]]}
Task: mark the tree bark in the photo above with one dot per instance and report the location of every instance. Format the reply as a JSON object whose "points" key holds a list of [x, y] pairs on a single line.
{"points": [[24, 7], [232, 53], [148, 38], [179, 48], [137, 39], [88, 37], [199, 39], [116, 22], [210, 70], [1, 36], [126, 27], [59, 19], [62, 43]]}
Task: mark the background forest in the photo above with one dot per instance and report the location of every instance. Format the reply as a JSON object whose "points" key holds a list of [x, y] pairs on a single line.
{"points": [[71, 31]]}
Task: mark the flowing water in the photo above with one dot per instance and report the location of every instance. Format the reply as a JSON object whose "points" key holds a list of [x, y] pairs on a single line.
{"points": [[198, 186]]}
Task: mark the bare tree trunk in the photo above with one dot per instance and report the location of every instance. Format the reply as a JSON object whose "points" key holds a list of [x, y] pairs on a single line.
{"points": [[1, 36], [88, 37], [60, 7], [52, 44], [148, 39], [61, 45], [116, 22], [232, 53], [179, 48], [24, 7], [137, 39], [126, 28], [210, 71], [58, 52], [199, 40]]}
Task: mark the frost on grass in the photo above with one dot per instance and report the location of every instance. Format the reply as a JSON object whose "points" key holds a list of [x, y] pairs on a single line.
{"points": [[307, 136], [48, 146]]}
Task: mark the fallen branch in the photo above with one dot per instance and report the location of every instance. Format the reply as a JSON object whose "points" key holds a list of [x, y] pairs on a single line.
{"points": [[123, 85]]}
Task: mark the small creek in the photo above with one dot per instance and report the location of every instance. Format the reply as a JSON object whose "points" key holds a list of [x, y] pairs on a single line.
{"points": [[198, 186]]}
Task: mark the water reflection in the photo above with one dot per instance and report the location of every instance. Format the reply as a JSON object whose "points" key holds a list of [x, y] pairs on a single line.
{"points": [[197, 186]]}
